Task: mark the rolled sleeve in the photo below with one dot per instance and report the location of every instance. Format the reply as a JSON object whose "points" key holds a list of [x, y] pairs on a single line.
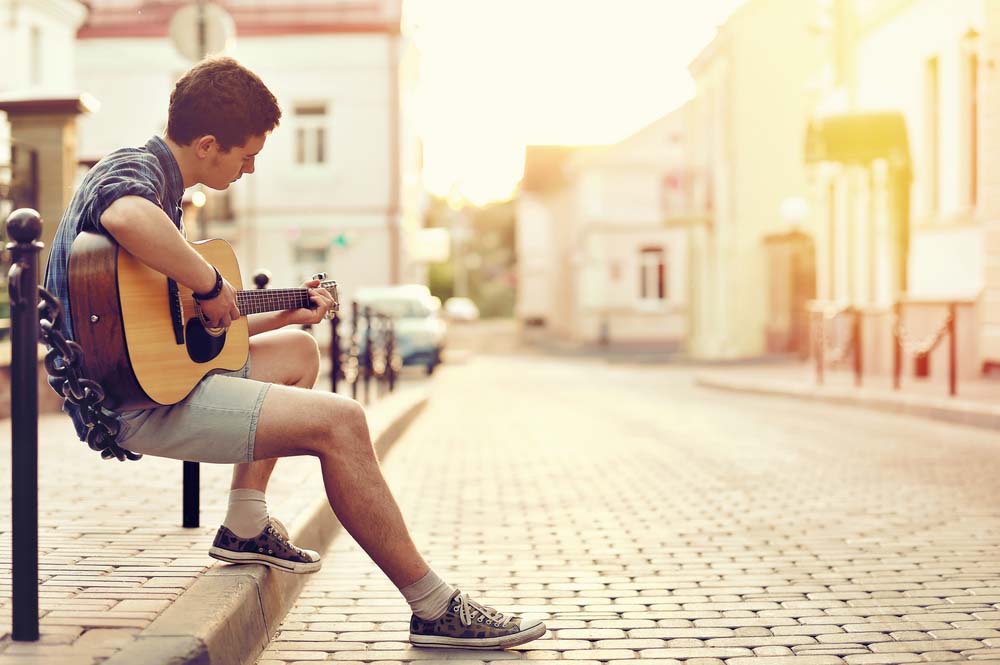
{"points": [[131, 182]]}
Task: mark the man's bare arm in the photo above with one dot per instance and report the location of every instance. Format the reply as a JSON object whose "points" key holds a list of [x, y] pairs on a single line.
{"points": [[146, 232]]}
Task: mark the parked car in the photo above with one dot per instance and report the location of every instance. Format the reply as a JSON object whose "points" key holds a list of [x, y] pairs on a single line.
{"points": [[460, 308], [420, 330]]}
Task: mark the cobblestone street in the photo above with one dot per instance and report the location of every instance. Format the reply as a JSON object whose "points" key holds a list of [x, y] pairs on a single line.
{"points": [[647, 518]]}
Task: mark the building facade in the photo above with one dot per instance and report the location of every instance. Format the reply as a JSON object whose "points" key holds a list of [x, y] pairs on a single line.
{"points": [[749, 116], [596, 262], [329, 189], [989, 179], [39, 103], [899, 195], [37, 47], [630, 270]]}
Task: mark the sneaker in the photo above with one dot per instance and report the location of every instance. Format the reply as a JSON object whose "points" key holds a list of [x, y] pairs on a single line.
{"points": [[468, 625], [271, 548]]}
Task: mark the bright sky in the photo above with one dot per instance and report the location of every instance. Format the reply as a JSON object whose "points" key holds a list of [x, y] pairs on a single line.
{"points": [[501, 74]]}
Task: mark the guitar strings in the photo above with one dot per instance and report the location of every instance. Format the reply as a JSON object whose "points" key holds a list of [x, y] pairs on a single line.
{"points": [[265, 300]]}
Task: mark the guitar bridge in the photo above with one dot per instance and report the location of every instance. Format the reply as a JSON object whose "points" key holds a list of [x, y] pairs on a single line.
{"points": [[176, 313]]}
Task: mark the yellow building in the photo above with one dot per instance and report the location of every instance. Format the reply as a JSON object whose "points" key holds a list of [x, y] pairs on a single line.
{"points": [[749, 117], [897, 190], [989, 187]]}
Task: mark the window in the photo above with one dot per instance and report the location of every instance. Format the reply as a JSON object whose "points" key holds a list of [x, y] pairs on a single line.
{"points": [[932, 132], [652, 274], [310, 255], [310, 133]]}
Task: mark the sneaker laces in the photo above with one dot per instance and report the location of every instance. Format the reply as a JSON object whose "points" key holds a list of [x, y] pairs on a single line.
{"points": [[281, 533], [468, 609], [278, 526]]}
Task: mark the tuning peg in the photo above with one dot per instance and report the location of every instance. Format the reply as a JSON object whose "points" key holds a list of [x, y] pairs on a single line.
{"points": [[319, 276]]}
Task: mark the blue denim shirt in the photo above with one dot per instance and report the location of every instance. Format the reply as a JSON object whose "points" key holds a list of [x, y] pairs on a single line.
{"points": [[150, 172]]}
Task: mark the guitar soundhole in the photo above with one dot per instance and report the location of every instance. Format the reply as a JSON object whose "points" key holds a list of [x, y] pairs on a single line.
{"points": [[202, 345]]}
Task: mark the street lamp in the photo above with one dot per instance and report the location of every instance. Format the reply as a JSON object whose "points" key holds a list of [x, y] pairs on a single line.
{"points": [[198, 198], [794, 210]]}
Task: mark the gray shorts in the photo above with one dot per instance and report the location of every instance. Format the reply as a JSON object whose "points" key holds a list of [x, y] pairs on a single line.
{"points": [[216, 423]]}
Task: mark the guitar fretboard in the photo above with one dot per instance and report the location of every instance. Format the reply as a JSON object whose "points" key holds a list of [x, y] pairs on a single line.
{"points": [[271, 300]]}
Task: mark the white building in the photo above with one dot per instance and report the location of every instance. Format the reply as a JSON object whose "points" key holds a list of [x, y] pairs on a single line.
{"points": [[596, 262], [329, 189], [541, 203], [37, 44]]}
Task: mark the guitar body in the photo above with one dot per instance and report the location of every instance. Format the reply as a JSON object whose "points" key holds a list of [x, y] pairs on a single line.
{"points": [[140, 332]]}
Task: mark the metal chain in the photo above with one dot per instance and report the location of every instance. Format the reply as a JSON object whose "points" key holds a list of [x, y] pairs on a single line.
{"points": [[834, 356], [839, 355], [63, 361], [924, 346]]}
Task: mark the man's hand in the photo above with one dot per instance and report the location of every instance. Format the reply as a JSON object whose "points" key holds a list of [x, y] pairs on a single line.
{"points": [[320, 297], [221, 311]]}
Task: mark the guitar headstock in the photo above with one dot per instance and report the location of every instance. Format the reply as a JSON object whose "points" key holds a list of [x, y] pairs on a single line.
{"points": [[331, 288]]}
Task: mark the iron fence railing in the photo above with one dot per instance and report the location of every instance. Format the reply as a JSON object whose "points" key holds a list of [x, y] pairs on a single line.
{"points": [[846, 345], [366, 354], [838, 339], [907, 344]]}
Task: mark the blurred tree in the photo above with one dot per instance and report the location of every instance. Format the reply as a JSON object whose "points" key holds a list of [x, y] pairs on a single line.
{"points": [[487, 255], [441, 278]]}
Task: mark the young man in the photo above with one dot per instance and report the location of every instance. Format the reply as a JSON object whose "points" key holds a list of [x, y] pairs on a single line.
{"points": [[219, 118]]}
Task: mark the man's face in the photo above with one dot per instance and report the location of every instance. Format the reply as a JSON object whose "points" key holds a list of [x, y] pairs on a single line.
{"points": [[225, 168]]}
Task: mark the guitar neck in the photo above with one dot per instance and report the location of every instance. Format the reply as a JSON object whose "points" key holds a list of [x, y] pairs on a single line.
{"points": [[272, 300]]}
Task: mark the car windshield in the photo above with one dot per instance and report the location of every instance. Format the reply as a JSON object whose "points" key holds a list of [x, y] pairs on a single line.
{"points": [[404, 308]]}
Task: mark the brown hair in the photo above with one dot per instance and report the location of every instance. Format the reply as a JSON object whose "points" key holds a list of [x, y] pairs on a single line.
{"points": [[221, 97]]}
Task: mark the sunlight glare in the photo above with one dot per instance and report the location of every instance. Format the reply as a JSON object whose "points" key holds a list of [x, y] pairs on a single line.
{"points": [[499, 75]]}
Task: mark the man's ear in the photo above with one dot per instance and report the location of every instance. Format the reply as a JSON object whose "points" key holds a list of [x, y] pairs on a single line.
{"points": [[203, 145]]}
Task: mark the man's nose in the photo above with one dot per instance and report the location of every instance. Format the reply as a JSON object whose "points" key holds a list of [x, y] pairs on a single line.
{"points": [[249, 166]]}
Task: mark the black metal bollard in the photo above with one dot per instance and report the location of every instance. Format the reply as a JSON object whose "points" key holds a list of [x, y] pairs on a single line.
{"points": [[192, 495], [335, 368], [820, 345], [355, 313], [858, 350], [952, 350], [390, 353], [369, 329], [24, 227], [897, 345]]}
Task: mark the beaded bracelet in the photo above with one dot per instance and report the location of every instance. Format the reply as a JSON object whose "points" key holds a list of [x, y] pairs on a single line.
{"points": [[216, 290]]}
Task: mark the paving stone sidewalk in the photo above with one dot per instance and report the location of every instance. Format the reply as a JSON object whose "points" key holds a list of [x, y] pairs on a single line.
{"points": [[977, 401], [112, 553], [651, 519]]}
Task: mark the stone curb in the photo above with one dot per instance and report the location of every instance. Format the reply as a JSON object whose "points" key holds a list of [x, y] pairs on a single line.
{"points": [[954, 410], [229, 614]]}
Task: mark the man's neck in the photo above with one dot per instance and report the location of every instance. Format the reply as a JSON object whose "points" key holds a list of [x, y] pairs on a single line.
{"points": [[186, 161]]}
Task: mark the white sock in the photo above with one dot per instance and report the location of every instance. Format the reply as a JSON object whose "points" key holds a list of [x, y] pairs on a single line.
{"points": [[247, 514], [428, 597]]}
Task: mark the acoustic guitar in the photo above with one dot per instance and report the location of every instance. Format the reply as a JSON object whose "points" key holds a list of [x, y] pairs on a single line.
{"points": [[142, 333]]}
